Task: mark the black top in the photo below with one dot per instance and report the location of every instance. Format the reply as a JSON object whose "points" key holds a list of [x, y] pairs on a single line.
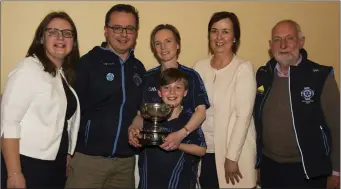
{"points": [[71, 101], [170, 169], [70, 110]]}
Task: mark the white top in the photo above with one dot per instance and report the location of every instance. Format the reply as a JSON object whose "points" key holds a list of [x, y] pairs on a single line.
{"points": [[33, 109], [229, 128]]}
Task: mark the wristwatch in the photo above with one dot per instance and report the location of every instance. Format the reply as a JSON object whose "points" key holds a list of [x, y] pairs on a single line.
{"points": [[187, 131]]}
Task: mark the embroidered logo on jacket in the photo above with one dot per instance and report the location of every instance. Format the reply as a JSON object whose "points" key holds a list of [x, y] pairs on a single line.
{"points": [[307, 94], [260, 90], [137, 79], [108, 63], [150, 89]]}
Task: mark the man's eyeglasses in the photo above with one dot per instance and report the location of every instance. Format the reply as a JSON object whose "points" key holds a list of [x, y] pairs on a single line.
{"points": [[57, 32], [119, 29]]}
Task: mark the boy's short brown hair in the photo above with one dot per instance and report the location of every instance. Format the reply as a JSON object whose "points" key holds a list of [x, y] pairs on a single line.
{"points": [[172, 75]]}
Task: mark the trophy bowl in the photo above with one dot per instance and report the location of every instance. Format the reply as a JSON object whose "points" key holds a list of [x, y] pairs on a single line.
{"points": [[154, 133]]}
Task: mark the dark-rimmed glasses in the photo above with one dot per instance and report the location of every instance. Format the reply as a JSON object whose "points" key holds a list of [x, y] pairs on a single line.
{"points": [[119, 29], [57, 32]]}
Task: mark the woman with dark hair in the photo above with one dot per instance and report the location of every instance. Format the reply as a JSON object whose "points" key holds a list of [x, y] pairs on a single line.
{"points": [[228, 128], [40, 110]]}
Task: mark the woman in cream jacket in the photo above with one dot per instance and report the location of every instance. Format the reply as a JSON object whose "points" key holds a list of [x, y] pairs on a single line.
{"points": [[228, 128]]}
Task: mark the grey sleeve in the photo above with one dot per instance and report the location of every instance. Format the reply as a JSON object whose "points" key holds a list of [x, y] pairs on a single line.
{"points": [[330, 102]]}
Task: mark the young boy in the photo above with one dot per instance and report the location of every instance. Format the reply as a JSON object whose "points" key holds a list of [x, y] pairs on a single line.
{"points": [[163, 168]]}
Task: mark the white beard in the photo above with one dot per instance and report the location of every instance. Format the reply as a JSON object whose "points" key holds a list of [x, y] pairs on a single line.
{"points": [[286, 59]]}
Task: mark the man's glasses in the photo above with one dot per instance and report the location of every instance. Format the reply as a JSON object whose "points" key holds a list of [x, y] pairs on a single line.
{"points": [[119, 29], [56, 32]]}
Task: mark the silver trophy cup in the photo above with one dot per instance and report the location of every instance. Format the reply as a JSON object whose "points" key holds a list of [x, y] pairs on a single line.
{"points": [[154, 134]]}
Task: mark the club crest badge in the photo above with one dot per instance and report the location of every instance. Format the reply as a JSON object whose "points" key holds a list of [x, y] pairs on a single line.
{"points": [[110, 76], [307, 94], [137, 79]]}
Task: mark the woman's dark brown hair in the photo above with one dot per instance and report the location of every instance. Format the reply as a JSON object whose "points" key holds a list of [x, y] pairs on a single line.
{"points": [[216, 17], [37, 48]]}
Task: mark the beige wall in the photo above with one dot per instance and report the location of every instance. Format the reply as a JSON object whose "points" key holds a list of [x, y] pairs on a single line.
{"points": [[320, 22]]}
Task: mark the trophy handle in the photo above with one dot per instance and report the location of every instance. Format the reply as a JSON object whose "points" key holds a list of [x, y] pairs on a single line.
{"points": [[169, 111], [143, 112]]}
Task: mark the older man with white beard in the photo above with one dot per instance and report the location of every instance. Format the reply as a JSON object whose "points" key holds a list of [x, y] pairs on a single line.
{"points": [[297, 116]]}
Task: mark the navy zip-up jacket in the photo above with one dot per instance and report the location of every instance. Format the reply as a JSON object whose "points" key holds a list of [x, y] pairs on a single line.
{"points": [[312, 134], [109, 92]]}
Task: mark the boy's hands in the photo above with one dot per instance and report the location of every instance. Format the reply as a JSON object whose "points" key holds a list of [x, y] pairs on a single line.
{"points": [[173, 140]]}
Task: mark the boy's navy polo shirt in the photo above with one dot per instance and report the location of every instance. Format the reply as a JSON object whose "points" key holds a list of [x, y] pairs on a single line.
{"points": [[171, 169], [110, 94], [196, 94]]}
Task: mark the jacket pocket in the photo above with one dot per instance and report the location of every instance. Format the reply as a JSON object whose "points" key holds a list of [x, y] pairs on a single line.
{"points": [[87, 129], [325, 140]]}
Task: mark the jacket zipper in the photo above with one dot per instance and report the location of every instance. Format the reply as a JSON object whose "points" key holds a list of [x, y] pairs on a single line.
{"points": [[261, 108], [87, 132], [293, 124], [121, 110], [325, 141]]}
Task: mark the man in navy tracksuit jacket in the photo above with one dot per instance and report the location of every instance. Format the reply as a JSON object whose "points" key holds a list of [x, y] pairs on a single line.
{"points": [[109, 86], [296, 116]]}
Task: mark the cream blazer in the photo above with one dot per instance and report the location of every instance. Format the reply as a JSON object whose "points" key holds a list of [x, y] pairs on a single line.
{"points": [[33, 109], [229, 124]]}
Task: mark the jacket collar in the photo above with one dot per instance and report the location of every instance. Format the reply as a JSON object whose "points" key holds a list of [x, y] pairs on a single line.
{"points": [[104, 47]]}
